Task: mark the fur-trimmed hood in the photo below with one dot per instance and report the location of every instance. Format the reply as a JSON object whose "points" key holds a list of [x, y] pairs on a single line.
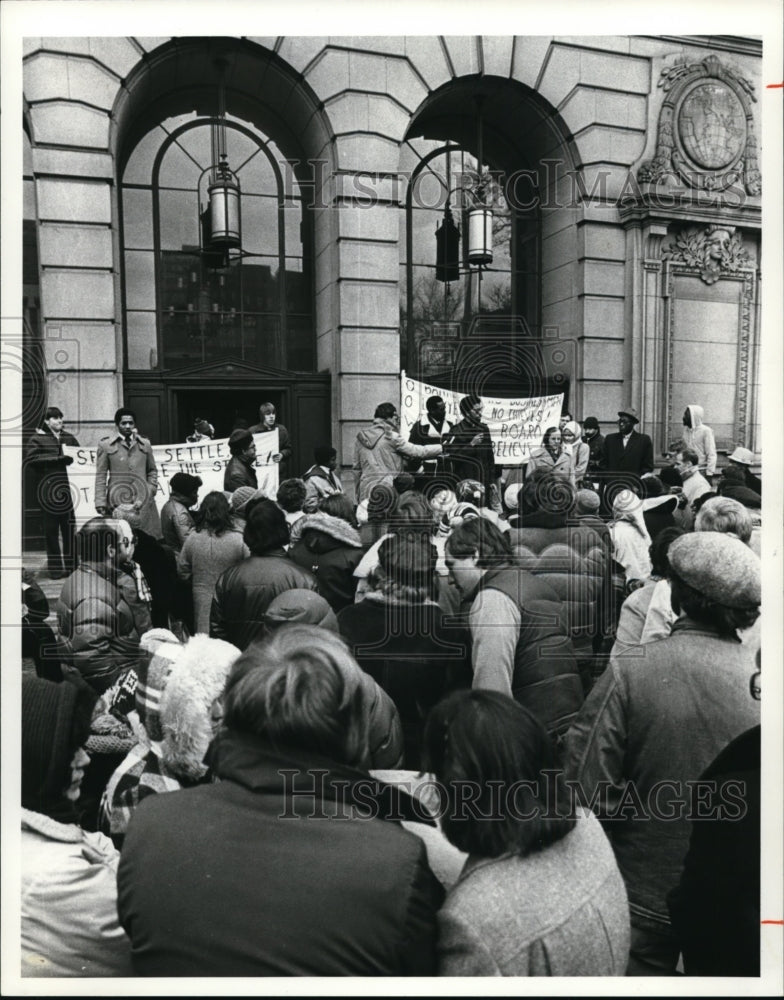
{"points": [[197, 679], [322, 532]]}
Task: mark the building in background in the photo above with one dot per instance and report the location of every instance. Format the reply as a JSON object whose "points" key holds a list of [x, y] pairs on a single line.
{"points": [[622, 174]]}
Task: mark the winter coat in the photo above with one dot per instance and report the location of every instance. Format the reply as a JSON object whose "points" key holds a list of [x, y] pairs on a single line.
{"points": [[128, 475], [159, 565], [98, 636], [380, 454], [331, 549], [660, 715], [318, 485], [521, 647], [596, 445], [560, 911], [284, 440], [244, 591], [239, 473], [69, 902], [699, 438], [289, 892], [636, 457], [176, 522], [45, 454], [412, 654], [204, 557], [542, 461], [467, 461], [715, 908]]}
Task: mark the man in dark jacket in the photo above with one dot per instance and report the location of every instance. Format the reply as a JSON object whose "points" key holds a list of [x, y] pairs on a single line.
{"points": [[594, 438], [176, 518], [45, 453], [272, 871], [628, 450], [244, 591], [239, 470], [468, 447]]}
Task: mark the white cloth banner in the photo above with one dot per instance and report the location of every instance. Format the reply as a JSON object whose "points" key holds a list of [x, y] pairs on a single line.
{"points": [[206, 459], [517, 426]]}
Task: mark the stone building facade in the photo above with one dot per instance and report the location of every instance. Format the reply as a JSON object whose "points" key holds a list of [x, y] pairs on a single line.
{"points": [[626, 233]]}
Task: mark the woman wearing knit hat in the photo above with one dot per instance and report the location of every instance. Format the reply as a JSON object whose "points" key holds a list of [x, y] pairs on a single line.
{"points": [[655, 721], [69, 888], [578, 451]]}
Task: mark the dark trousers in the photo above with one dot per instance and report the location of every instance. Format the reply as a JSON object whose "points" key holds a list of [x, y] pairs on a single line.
{"points": [[654, 949], [57, 525]]}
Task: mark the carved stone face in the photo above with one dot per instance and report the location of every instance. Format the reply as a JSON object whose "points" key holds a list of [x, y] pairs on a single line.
{"points": [[717, 243]]}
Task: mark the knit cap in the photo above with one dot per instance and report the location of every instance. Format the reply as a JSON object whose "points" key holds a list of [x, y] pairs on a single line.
{"points": [[55, 723], [719, 566], [303, 607], [587, 501], [240, 498], [184, 484], [128, 513], [163, 650]]}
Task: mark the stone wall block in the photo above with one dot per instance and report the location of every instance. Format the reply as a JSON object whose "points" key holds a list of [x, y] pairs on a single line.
{"points": [[75, 246], [77, 294], [427, 57], [73, 201], [70, 124], [371, 304]]}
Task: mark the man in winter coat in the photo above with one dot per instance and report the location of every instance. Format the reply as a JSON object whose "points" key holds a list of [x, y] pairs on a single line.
{"points": [[381, 451], [655, 720], [125, 472], [698, 437], [331, 549], [742, 458], [519, 643], [45, 453], [244, 591], [272, 870], [594, 438], [628, 450], [469, 447], [176, 518], [98, 633], [240, 470], [321, 480]]}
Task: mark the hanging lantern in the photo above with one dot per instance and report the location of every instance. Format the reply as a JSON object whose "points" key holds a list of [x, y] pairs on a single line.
{"points": [[224, 208], [480, 236], [448, 249]]}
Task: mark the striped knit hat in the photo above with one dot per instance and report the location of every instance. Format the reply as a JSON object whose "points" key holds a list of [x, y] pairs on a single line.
{"points": [[163, 650]]}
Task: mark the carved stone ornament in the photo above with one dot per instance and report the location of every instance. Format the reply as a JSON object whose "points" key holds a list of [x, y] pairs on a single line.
{"points": [[713, 251], [706, 134]]}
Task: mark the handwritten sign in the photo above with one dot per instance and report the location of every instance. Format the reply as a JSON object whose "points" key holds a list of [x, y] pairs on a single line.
{"points": [[206, 459], [517, 426]]}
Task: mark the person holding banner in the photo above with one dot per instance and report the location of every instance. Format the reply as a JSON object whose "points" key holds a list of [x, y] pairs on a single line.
{"points": [[268, 416], [125, 472], [469, 447]]}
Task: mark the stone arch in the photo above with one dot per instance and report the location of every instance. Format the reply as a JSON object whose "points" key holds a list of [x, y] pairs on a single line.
{"points": [[524, 135]]}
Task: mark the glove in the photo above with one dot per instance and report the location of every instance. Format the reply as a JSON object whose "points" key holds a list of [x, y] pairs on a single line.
{"points": [[68, 460]]}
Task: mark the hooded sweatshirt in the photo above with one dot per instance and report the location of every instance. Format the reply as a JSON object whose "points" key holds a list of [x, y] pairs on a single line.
{"points": [[699, 438], [331, 549], [381, 453]]}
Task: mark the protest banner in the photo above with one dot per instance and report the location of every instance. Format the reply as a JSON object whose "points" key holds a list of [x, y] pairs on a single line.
{"points": [[517, 425], [206, 459]]}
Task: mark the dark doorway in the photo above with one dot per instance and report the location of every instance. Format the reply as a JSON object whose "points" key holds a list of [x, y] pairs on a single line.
{"points": [[223, 408]]}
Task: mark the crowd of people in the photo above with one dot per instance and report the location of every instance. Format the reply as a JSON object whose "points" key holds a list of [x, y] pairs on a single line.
{"points": [[459, 725]]}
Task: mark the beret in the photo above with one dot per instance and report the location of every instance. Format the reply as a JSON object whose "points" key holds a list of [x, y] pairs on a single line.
{"points": [[719, 566]]}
